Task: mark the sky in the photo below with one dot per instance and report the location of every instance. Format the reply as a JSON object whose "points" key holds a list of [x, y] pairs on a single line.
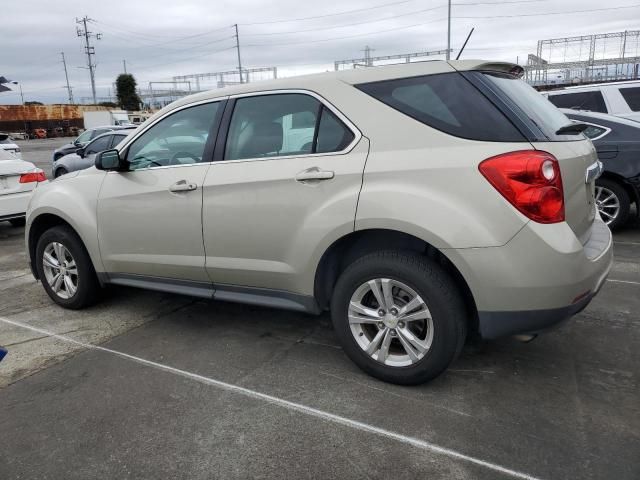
{"points": [[161, 39]]}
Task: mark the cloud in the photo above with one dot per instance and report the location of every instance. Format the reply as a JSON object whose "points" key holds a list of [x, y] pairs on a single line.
{"points": [[161, 39]]}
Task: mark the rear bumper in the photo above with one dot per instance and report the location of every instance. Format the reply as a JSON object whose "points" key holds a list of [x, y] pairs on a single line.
{"points": [[542, 277], [14, 205]]}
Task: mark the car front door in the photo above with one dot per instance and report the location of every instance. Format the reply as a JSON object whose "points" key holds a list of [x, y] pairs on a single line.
{"points": [[150, 217], [286, 181]]}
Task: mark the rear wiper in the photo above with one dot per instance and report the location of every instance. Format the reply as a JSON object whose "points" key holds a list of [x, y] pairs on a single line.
{"points": [[572, 129]]}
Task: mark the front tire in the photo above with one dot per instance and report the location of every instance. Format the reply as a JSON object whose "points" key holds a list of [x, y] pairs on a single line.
{"points": [[399, 316], [60, 171], [65, 268], [613, 202]]}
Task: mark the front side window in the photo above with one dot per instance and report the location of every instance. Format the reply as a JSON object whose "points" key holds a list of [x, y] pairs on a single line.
{"points": [[178, 139], [592, 101], [283, 125], [117, 139], [98, 145], [631, 95]]}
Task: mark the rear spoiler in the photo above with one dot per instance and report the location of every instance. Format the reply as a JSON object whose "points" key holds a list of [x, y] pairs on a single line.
{"points": [[501, 67]]}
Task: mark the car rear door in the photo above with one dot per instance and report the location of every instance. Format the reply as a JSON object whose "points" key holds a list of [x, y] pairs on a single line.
{"points": [[150, 217], [286, 179]]}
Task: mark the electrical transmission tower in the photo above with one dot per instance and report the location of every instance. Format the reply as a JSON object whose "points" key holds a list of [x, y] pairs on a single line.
{"points": [[89, 50], [66, 76]]}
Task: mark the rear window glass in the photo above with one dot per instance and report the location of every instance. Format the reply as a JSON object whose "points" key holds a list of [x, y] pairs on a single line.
{"points": [[632, 97], [592, 101], [537, 109], [447, 102]]}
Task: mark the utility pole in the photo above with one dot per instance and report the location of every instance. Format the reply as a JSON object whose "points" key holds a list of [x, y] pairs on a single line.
{"points": [[449, 31], [124, 65], [66, 76], [89, 50], [238, 50]]}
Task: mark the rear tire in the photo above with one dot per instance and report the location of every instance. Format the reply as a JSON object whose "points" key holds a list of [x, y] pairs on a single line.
{"points": [[18, 222], [613, 202], [437, 328], [67, 274]]}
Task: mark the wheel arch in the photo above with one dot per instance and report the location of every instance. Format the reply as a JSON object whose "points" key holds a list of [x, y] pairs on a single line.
{"points": [[620, 180], [354, 245], [38, 226]]}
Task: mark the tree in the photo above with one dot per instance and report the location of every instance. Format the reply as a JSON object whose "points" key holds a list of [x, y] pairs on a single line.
{"points": [[128, 99]]}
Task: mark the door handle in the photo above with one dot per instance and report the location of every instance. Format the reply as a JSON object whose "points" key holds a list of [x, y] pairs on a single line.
{"points": [[183, 186], [314, 173]]}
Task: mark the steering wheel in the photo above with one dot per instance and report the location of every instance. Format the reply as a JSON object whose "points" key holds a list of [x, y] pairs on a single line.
{"points": [[176, 156]]}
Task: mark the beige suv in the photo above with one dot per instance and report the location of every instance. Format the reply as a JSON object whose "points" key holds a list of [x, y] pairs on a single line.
{"points": [[420, 203]]}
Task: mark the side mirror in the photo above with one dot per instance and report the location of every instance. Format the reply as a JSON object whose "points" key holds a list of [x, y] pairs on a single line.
{"points": [[109, 160], [80, 152]]}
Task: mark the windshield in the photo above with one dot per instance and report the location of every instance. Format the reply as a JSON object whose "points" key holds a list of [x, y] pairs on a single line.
{"points": [[539, 110], [84, 137]]}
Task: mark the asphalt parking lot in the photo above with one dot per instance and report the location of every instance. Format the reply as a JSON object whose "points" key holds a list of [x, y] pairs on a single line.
{"points": [[183, 388]]}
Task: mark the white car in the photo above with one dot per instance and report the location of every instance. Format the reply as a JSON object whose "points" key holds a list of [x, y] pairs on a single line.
{"points": [[621, 99], [18, 180], [7, 143]]}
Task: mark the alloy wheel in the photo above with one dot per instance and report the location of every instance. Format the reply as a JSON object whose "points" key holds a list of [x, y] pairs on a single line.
{"points": [[390, 322], [60, 270], [608, 204]]}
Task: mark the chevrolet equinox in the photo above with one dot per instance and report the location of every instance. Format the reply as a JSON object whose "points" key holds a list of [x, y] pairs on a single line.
{"points": [[419, 203]]}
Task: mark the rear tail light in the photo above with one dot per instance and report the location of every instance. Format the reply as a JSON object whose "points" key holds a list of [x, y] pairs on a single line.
{"points": [[35, 176], [530, 180]]}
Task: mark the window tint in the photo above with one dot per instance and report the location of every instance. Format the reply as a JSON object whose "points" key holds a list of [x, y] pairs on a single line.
{"points": [[447, 102], [591, 101], [177, 139], [98, 145], [333, 135], [263, 126], [632, 97]]}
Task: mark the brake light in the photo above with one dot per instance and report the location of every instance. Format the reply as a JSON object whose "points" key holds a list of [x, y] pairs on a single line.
{"points": [[530, 180], [35, 176]]}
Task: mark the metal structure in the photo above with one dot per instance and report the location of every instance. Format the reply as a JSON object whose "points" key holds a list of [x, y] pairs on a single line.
{"points": [[585, 59], [231, 77], [89, 50], [238, 51], [369, 61]]}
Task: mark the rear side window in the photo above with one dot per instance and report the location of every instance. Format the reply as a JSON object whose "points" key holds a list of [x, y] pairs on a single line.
{"points": [[632, 97], [592, 101], [447, 102]]}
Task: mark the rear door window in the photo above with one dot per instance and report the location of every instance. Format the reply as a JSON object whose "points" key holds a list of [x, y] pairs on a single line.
{"points": [[631, 95], [592, 101], [447, 102]]}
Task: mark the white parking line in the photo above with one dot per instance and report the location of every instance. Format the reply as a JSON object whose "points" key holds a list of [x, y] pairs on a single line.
{"points": [[622, 281], [416, 442], [626, 243]]}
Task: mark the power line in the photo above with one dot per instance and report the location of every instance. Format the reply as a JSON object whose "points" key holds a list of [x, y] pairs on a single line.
{"points": [[552, 13], [415, 12], [329, 14], [377, 32]]}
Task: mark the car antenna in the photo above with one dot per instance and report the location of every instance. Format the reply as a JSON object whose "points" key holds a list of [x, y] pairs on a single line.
{"points": [[465, 43]]}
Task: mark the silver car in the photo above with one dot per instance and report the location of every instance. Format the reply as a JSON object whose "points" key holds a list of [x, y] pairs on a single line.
{"points": [[419, 203], [84, 157]]}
